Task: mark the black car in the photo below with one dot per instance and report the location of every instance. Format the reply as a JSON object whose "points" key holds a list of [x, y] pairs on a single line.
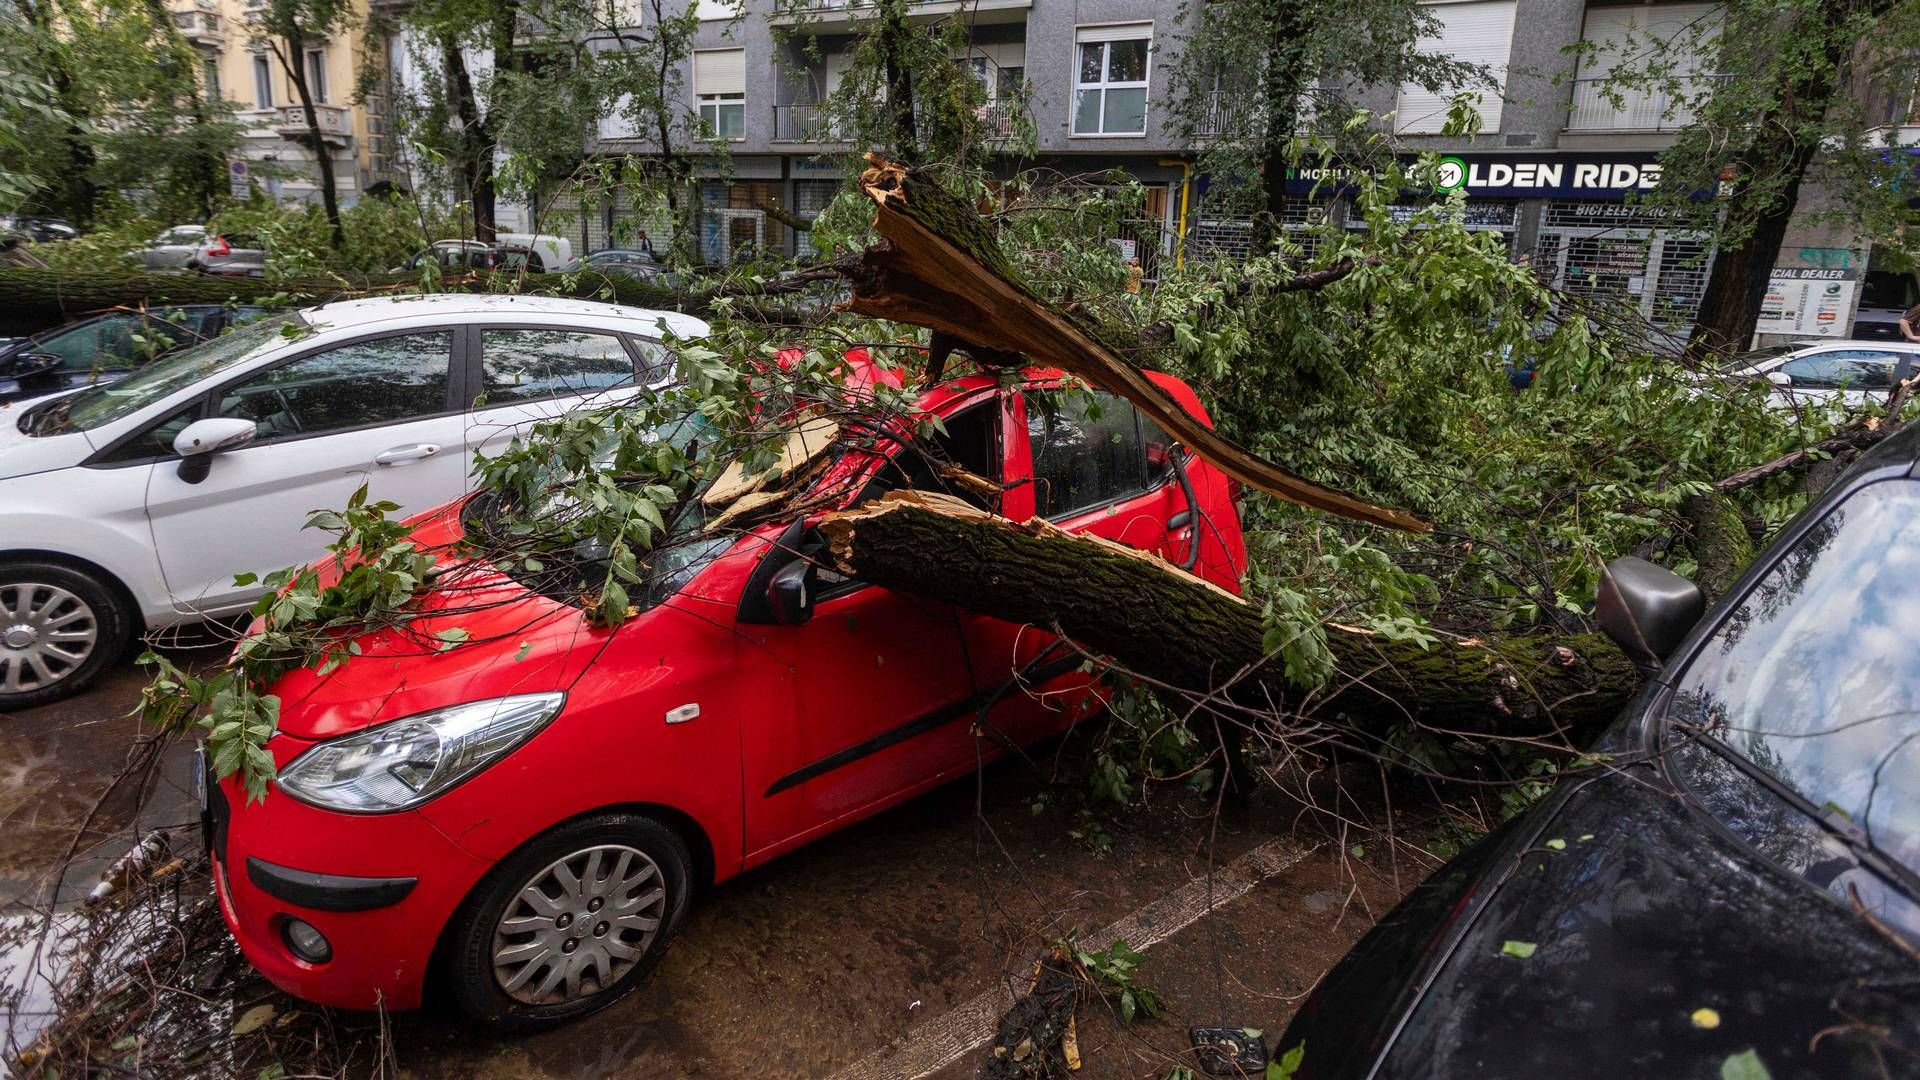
{"points": [[105, 347], [43, 230], [1734, 887]]}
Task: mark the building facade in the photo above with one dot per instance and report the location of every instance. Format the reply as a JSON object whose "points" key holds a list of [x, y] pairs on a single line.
{"points": [[1552, 170], [277, 155]]}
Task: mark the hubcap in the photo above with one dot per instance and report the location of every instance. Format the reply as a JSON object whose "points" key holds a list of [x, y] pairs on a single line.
{"points": [[579, 925], [46, 633]]}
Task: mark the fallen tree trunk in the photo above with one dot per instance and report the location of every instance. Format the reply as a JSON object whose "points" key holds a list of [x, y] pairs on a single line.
{"points": [[1163, 623], [32, 300]]}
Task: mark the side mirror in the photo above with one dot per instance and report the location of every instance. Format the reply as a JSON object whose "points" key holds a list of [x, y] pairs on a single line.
{"points": [[1779, 378], [1647, 609], [790, 593], [199, 441]]}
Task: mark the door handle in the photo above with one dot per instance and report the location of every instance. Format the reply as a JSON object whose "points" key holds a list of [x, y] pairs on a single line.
{"points": [[400, 455], [1180, 521]]}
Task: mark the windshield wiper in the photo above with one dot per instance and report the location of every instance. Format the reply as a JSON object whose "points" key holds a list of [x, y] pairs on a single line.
{"points": [[1831, 819]]}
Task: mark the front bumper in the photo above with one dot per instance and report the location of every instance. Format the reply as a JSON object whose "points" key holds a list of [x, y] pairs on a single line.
{"points": [[381, 888]]}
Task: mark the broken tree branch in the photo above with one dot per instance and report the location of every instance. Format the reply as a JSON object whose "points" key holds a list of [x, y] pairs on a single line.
{"points": [[937, 265], [1858, 436]]}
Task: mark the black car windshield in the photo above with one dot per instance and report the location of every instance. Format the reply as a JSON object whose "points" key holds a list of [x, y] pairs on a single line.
{"points": [[1812, 681], [98, 405]]}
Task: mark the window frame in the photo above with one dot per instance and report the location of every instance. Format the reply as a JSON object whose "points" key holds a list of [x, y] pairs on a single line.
{"points": [[316, 61], [262, 81], [457, 377], [475, 382], [710, 129], [1145, 84], [1165, 478]]}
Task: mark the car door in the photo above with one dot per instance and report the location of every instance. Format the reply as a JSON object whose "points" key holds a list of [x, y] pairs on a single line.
{"points": [[1849, 375], [1096, 467], [524, 374], [380, 410], [171, 249], [883, 694]]}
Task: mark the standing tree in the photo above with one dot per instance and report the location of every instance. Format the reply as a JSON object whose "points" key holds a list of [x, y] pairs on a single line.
{"points": [[284, 28], [1276, 56], [1800, 94]]}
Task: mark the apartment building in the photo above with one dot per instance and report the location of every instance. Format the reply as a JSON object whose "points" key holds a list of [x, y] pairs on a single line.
{"points": [[276, 155], [1552, 170]]}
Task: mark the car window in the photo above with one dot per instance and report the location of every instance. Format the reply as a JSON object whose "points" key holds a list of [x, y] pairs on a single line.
{"points": [[156, 441], [1851, 369], [527, 365], [382, 381], [180, 236], [1089, 449], [1812, 679], [99, 405], [105, 342]]}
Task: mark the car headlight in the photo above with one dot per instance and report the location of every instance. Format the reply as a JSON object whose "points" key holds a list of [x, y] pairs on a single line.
{"points": [[402, 764]]}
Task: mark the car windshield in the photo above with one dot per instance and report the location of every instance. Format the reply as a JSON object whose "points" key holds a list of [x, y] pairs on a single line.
{"points": [[1810, 689], [1745, 360], [98, 405]]}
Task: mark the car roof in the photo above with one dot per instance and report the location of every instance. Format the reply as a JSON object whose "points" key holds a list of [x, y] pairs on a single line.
{"points": [[354, 313], [1857, 343]]}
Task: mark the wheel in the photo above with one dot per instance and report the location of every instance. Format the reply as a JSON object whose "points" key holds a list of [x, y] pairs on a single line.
{"points": [[570, 923], [60, 627]]}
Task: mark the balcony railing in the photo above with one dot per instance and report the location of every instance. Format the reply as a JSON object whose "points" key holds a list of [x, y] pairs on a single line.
{"points": [[1002, 118], [803, 122], [1601, 105], [199, 26], [291, 122], [1234, 112]]}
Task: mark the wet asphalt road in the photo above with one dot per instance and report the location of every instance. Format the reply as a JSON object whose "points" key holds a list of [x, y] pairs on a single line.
{"points": [[822, 958]]}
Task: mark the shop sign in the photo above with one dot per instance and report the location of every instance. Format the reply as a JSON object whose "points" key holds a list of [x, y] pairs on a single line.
{"points": [[1545, 174], [1808, 301]]}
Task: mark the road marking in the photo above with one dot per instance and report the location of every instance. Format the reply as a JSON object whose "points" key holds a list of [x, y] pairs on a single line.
{"points": [[950, 1036]]}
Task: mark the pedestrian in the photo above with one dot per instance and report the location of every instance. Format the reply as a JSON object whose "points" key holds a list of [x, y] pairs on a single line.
{"points": [[1134, 274], [1910, 324], [643, 243]]}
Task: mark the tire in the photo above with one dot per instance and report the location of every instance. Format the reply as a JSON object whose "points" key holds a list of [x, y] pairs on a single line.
{"points": [[521, 996], [41, 600]]}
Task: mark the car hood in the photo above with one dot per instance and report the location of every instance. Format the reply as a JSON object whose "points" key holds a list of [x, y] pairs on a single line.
{"points": [[1635, 911], [23, 455], [518, 642]]}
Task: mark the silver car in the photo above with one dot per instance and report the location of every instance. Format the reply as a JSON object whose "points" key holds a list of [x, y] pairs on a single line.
{"points": [[172, 249], [230, 254]]}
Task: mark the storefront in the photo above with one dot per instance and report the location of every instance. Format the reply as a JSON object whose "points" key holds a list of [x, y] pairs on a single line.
{"points": [[1624, 258]]}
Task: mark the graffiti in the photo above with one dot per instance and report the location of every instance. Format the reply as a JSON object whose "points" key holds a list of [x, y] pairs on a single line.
{"points": [[1827, 257]]}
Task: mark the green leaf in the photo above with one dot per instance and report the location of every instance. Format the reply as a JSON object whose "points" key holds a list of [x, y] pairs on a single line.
{"points": [[1557, 844], [1289, 1062], [452, 636], [1745, 1065], [1518, 949]]}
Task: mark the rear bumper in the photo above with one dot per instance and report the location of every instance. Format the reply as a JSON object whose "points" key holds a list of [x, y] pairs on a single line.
{"points": [[380, 888]]}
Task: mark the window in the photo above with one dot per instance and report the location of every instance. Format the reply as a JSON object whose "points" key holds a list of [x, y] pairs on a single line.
{"points": [[262, 82], [107, 342], [527, 365], [1621, 40], [1090, 449], [156, 441], [1110, 82], [1480, 32], [720, 86], [210, 78], [972, 442], [1811, 681], [190, 235], [1838, 369], [317, 74], [366, 383]]}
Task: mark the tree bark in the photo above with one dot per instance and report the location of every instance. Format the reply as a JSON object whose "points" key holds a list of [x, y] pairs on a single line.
{"points": [[938, 266], [1163, 623], [476, 146], [294, 61], [1281, 85], [893, 30]]}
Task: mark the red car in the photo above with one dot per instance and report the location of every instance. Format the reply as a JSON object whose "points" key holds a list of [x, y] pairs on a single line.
{"points": [[528, 815]]}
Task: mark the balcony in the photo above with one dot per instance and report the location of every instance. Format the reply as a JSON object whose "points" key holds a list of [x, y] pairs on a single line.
{"points": [[1235, 112], [1002, 119], [844, 16], [290, 121], [1599, 105], [201, 26], [802, 122]]}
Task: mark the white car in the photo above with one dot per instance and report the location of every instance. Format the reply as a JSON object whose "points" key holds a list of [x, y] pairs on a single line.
{"points": [[134, 505], [173, 249], [1829, 372]]}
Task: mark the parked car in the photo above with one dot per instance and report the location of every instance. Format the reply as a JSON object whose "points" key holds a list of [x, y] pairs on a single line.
{"points": [[103, 348], [527, 816], [232, 254], [134, 504], [42, 230], [172, 250], [629, 261], [537, 253], [1885, 295], [1741, 876], [1823, 372]]}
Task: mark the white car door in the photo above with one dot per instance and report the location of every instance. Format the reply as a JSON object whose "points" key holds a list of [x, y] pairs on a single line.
{"points": [[532, 373], [381, 411]]}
